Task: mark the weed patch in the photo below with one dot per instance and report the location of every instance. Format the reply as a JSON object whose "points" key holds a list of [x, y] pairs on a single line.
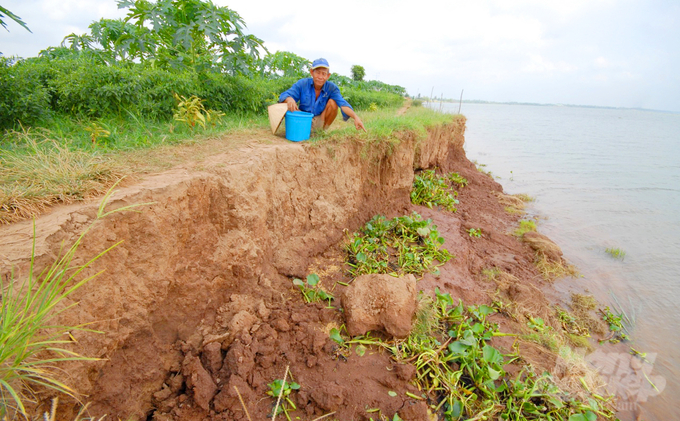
{"points": [[402, 245], [475, 232], [457, 179], [582, 307], [432, 190], [491, 274], [464, 376], [551, 270], [311, 289], [616, 328], [616, 253], [525, 225]]}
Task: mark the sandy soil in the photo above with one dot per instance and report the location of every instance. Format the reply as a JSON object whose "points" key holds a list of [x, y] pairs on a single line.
{"points": [[198, 300]]}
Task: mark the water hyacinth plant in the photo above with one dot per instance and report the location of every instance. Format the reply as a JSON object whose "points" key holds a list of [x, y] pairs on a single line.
{"points": [[406, 244]]}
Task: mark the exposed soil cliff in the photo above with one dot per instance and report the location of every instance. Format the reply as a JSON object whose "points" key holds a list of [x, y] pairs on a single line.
{"points": [[198, 298]]}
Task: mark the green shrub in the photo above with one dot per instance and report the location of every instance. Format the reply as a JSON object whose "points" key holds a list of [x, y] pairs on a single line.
{"points": [[22, 96], [362, 100], [83, 86]]}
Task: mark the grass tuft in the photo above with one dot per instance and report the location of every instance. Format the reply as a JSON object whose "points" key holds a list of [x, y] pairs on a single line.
{"points": [[616, 253], [551, 270], [41, 174], [582, 307], [524, 197], [525, 225]]}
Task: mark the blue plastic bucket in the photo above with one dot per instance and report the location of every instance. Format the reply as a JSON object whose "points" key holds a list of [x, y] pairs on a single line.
{"points": [[298, 125]]}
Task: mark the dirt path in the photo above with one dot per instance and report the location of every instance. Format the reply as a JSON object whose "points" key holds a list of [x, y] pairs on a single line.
{"points": [[198, 301]]}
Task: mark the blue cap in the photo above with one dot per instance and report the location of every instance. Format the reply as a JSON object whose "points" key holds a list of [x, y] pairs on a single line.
{"points": [[320, 62]]}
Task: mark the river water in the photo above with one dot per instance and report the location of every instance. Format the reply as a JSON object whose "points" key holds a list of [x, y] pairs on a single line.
{"points": [[602, 178]]}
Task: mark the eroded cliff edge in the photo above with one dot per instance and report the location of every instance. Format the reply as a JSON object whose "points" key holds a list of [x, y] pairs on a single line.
{"points": [[198, 297]]}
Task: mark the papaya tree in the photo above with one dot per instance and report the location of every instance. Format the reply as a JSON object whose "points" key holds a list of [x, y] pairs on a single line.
{"points": [[284, 63], [187, 33]]}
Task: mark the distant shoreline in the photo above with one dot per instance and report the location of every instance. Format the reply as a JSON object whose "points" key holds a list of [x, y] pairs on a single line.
{"points": [[477, 101]]}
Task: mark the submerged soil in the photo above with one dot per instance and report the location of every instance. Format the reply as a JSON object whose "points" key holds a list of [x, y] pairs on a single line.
{"points": [[197, 304]]}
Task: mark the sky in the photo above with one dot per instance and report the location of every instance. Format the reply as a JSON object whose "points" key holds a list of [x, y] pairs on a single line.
{"points": [[618, 53]]}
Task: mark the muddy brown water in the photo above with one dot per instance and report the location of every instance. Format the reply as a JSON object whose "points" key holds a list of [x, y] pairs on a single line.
{"points": [[197, 302]]}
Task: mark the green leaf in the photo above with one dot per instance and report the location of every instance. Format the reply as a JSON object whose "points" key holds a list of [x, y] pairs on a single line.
{"points": [[423, 232], [468, 338], [360, 350], [477, 328], [494, 374], [491, 355], [456, 409], [312, 279], [361, 257], [335, 335], [392, 393], [486, 310], [298, 282], [458, 348]]}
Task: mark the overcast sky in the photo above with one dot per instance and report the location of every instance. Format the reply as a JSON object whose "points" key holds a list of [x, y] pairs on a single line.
{"points": [[621, 53]]}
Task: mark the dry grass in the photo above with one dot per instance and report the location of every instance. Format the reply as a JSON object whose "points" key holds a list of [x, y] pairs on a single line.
{"points": [[42, 172], [552, 269], [524, 197], [582, 307], [511, 201], [46, 173]]}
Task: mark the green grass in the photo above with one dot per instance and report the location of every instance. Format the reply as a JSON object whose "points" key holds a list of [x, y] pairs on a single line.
{"points": [[616, 253], [129, 132], [382, 127], [525, 225]]}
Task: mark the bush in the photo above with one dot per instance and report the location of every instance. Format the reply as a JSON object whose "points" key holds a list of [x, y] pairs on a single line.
{"points": [[83, 86], [362, 100], [23, 98]]}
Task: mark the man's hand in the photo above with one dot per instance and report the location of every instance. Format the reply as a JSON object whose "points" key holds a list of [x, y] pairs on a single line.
{"points": [[292, 105], [358, 123]]}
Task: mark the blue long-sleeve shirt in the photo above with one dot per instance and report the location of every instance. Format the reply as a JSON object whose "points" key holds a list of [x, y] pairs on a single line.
{"points": [[303, 91]]}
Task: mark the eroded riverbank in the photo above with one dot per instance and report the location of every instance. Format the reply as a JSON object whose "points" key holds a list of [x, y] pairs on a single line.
{"points": [[198, 298]]}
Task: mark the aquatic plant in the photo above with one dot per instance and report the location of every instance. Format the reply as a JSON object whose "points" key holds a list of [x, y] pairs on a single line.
{"points": [[616, 253], [432, 190], [405, 244]]}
